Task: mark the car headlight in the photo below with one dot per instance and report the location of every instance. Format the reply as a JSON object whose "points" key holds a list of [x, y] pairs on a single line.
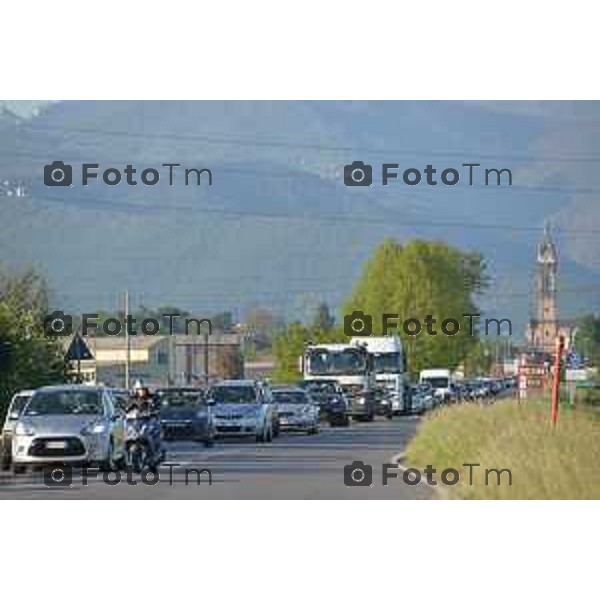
{"points": [[22, 429], [94, 429], [361, 400]]}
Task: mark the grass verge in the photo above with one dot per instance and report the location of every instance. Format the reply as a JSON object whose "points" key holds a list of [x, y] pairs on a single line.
{"points": [[546, 462]]}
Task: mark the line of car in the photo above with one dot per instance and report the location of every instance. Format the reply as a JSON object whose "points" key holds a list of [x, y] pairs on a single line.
{"points": [[85, 425], [425, 396]]}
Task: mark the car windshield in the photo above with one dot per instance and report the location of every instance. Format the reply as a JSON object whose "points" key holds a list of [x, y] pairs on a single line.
{"points": [[64, 402], [320, 387], [122, 400], [181, 399], [387, 363], [233, 394], [344, 362], [19, 403], [290, 397], [438, 382]]}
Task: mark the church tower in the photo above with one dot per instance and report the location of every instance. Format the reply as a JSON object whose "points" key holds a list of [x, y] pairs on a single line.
{"points": [[544, 327]]}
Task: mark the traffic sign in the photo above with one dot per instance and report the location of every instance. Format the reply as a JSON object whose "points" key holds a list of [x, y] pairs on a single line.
{"points": [[78, 350]]}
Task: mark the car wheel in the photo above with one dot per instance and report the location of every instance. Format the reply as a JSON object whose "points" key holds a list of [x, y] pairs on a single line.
{"points": [[209, 442], [109, 464], [121, 463]]}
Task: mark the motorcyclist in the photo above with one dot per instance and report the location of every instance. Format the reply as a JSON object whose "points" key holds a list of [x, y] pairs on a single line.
{"points": [[142, 405]]}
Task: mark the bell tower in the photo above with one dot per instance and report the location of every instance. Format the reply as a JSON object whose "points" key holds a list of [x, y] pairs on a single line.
{"points": [[545, 292]]}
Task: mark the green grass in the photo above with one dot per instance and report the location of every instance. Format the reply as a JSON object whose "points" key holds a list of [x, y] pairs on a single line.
{"points": [[546, 462]]}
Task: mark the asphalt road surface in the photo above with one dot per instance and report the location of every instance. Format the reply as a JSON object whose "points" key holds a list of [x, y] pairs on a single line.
{"points": [[294, 466]]}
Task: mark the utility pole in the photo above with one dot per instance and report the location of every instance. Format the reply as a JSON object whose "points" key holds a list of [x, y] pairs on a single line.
{"points": [[127, 344], [560, 344], [206, 376]]}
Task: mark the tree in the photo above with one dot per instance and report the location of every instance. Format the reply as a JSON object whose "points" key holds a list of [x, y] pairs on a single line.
{"points": [[28, 358], [324, 320], [289, 344], [587, 338], [262, 326], [416, 280], [478, 361], [222, 322], [288, 347]]}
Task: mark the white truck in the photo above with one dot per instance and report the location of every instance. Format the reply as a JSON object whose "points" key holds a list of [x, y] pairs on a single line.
{"points": [[350, 365], [441, 380], [389, 365]]}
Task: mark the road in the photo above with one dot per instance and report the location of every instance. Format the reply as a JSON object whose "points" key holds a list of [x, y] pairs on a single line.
{"points": [[294, 466]]}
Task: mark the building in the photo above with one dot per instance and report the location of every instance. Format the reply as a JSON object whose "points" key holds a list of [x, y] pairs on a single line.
{"points": [[162, 360], [545, 326]]}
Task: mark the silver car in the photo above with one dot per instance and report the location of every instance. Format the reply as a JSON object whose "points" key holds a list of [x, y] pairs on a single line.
{"points": [[69, 424], [243, 408], [296, 409], [16, 406]]}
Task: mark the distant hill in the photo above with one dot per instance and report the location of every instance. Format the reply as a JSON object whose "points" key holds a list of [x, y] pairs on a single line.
{"points": [[278, 228]]}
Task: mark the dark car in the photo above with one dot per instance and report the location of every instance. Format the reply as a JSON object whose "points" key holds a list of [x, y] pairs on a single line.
{"points": [[383, 403], [185, 414], [333, 405]]}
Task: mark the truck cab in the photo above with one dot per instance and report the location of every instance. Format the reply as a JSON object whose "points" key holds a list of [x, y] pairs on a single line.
{"points": [[351, 366], [441, 380], [389, 366]]}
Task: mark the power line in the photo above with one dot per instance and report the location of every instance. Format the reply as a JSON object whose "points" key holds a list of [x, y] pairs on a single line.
{"points": [[334, 218], [288, 171], [271, 143]]}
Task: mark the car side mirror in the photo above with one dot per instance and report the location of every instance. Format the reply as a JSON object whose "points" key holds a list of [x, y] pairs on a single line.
{"points": [[14, 415]]}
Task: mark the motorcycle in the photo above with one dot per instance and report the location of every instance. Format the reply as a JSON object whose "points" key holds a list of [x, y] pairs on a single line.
{"points": [[142, 441]]}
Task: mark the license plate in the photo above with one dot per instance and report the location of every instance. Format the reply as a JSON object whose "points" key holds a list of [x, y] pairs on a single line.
{"points": [[56, 445]]}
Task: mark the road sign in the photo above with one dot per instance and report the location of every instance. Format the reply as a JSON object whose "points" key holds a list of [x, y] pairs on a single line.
{"points": [[78, 350], [574, 360]]}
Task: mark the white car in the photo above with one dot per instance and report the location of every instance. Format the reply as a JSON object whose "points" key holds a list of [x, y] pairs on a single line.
{"points": [[296, 410], [243, 407], [75, 424], [15, 408]]}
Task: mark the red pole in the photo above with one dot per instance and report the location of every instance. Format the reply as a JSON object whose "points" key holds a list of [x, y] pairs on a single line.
{"points": [[556, 380]]}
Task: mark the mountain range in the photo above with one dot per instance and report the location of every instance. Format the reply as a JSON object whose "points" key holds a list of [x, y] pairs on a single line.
{"points": [[278, 228]]}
